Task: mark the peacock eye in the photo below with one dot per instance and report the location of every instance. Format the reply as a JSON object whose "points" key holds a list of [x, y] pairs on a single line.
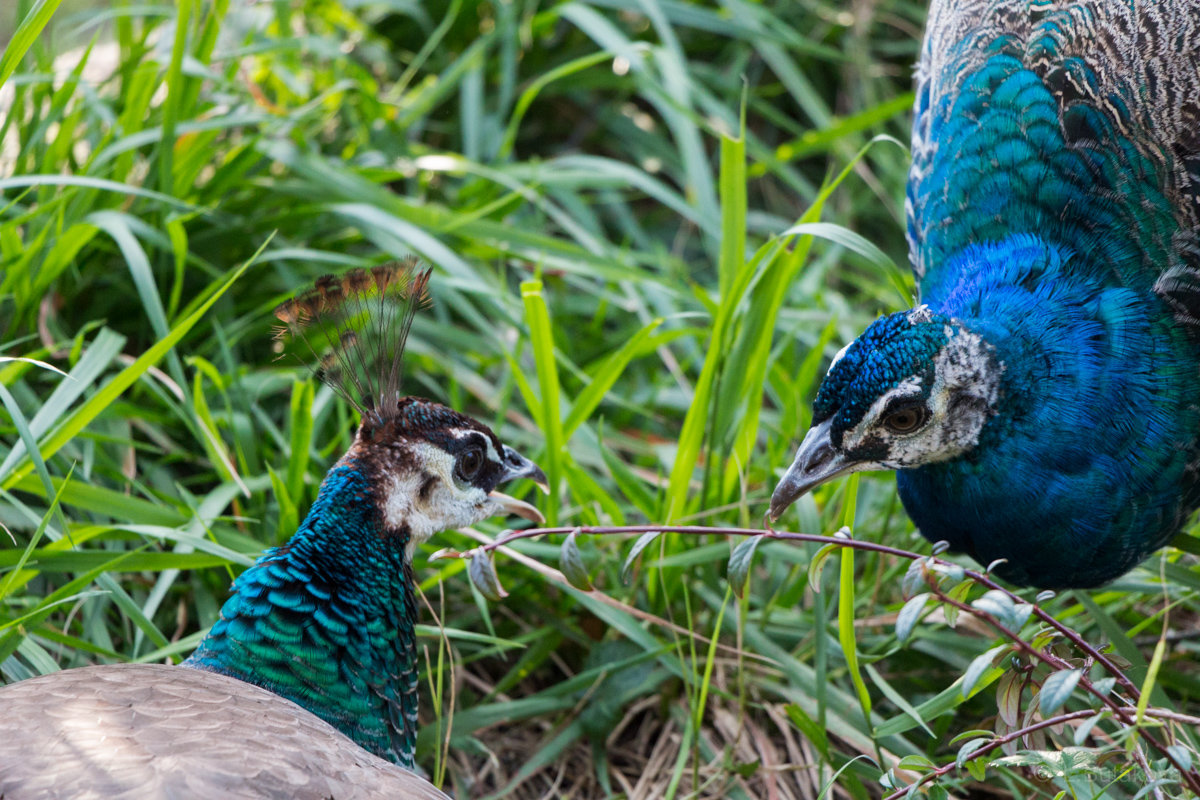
{"points": [[906, 419], [469, 463]]}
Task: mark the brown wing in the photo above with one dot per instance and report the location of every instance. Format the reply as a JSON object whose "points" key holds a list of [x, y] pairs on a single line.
{"points": [[155, 731]]}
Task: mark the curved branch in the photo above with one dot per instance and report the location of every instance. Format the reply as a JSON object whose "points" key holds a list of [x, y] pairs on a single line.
{"points": [[1191, 777]]}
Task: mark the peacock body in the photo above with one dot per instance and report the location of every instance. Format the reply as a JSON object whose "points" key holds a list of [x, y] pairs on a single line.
{"points": [[1042, 402], [306, 687]]}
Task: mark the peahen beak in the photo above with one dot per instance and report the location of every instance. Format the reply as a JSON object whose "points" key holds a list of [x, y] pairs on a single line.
{"points": [[816, 462], [518, 466]]}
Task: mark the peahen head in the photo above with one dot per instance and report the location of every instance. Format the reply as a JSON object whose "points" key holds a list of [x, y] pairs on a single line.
{"points": [[915, 388], [431, 468], [328, 619], [435, 469]]}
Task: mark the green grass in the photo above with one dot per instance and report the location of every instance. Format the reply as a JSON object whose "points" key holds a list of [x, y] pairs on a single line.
{"points": [[652, 223]]}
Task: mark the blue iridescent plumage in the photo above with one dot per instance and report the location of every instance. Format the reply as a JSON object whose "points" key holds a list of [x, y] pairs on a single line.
{"points": [[1040, 406]]}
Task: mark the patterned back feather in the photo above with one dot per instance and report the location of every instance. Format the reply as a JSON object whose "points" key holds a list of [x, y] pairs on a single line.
{"points": [[1103, 107], [1040, 405]]}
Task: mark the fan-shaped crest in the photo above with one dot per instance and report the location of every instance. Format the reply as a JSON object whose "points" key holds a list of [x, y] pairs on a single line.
{"points": [[361, 321]]}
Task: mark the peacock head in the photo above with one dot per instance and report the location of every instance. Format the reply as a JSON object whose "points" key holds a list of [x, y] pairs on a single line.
{"points": [[436, 469], [915, 388], [430, 468]]}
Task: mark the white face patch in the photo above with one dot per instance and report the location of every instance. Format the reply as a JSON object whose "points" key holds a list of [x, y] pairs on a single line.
{"points": [[966, 387], [427, 499]]}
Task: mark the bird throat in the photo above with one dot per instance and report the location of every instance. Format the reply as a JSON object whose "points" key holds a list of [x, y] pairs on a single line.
{"points": [[327, 620]]}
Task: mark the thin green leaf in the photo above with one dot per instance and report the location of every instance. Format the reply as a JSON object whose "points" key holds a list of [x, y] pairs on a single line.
{"points": [[640, 544], [571, 564], [26, 33]]}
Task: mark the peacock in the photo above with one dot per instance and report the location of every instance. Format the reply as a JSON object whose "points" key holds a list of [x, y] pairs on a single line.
{"points": [[1041, 403], [306, 687]]}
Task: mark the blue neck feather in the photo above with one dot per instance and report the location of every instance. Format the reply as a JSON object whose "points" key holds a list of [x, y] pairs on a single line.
{"points": [[1082, 465], [1039, 226], [327, 621]]}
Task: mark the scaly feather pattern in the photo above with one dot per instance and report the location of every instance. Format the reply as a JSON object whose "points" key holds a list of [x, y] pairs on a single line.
{"points": [[326, 622], [1041, 404], [145, 731]]}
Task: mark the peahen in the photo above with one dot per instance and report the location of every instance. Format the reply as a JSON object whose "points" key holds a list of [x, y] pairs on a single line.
{"points": [[306, 687], [1042, 403]]}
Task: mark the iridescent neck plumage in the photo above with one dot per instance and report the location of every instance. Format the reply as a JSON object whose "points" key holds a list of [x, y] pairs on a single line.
{"points": [[327, 620], [1035, 227], [999, 156], [1065, 454]]}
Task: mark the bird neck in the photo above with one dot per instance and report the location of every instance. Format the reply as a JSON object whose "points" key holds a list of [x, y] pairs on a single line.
{"points": [[327, 620], [1093, 437]]}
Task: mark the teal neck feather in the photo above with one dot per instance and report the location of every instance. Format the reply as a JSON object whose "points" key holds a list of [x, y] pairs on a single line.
{"points": [[327, 621], [1008, 161]]}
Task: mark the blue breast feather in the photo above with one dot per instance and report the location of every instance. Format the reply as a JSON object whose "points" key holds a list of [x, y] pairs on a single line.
{"points": [[1044, 224], [1086, 468]]}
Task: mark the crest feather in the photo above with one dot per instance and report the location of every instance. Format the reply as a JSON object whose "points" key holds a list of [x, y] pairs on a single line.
{"points": [[361, 318]]}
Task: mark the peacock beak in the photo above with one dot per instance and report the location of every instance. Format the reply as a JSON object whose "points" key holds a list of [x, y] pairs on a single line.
{"points": [[518, 466], [511, 505], [816, 462]]}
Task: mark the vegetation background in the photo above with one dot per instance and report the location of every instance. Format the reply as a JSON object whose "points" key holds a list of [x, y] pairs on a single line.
{"points": [[653, 222]]}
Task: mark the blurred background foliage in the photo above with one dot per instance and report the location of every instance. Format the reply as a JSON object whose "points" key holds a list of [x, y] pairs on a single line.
{"points": [[652, 223]]}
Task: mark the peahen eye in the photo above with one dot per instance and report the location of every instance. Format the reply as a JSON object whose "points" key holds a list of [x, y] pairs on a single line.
{"points": [[906, 419], [469, 463]]}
